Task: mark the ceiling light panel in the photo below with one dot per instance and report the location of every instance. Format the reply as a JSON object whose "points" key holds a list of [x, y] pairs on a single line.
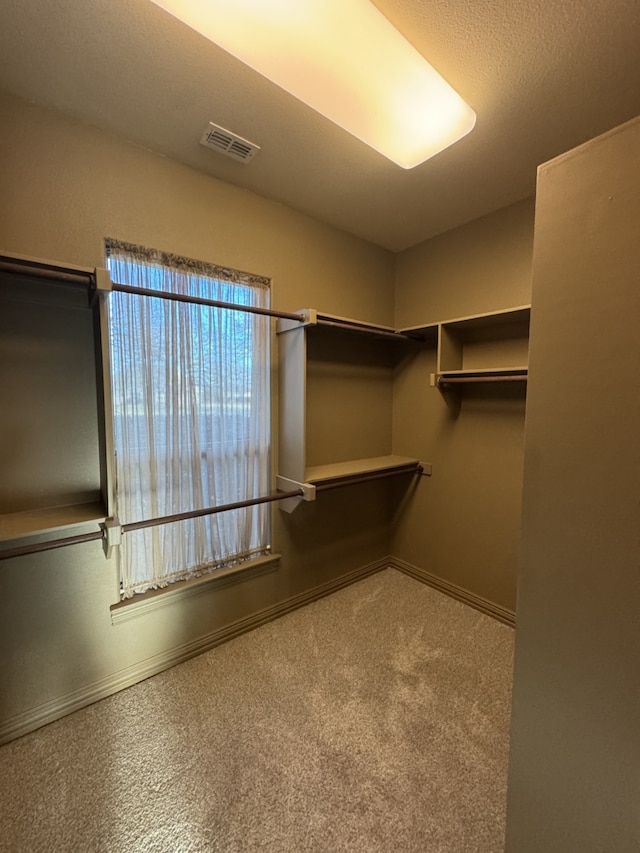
{"points": [[344, 59]]}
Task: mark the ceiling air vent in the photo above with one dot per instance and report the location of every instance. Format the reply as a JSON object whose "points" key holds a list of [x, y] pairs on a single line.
{"points": [[228, 143]]}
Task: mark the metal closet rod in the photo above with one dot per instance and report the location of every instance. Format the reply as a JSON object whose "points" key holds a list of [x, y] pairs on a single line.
{"points": [[366, 478], [197, 513], [42, 270], [23, 550], [459, 380], [360, 327], [87, 277], [213, 303]]}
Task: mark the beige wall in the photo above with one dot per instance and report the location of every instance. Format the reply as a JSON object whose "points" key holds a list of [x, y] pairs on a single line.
{"points": [[462, 524], [482, 266], [574, 779], [65, 187]]}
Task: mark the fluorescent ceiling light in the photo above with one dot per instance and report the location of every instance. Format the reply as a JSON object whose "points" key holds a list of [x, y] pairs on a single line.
{"points": [[344, 59]]}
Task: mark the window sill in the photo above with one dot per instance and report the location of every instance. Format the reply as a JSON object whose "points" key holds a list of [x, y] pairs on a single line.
{"points": [[140, 605]]}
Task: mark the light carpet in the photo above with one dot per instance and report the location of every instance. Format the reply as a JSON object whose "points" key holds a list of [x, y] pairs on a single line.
{"points": [[372, 720]]}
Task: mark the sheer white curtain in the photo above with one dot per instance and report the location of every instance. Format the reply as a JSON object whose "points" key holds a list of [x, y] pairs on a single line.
{"points": [[191, 415]]}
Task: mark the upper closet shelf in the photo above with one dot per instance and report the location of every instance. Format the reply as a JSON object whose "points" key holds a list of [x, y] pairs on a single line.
{"points": [[474, 323], [492, 321], [14, 525], [318, 474]]}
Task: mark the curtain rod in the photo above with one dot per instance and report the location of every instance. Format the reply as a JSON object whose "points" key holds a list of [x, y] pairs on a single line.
{"points": [[213, 303], [23, 550]]}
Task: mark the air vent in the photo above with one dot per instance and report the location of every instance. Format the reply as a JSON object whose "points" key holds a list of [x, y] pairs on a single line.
{"points": [[228, 143]]}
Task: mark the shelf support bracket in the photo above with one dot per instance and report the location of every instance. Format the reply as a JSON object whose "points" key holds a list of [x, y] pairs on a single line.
{"points": [[310, 319], [284, 484], [112, 536], [103, 284]]}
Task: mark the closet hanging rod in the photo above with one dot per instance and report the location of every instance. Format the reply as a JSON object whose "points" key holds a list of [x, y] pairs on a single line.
{"points": [[23, 550], [365, 478], [353, 325], [197, 513], [458, 380], [42, 270], [213, 303]]}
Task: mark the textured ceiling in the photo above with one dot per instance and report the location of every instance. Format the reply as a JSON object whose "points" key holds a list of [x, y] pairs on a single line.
{"points": [[542, 76]]}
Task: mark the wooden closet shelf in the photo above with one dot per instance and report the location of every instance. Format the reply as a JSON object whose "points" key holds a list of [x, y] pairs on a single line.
{"points": [[484, 373], [14, 525], [491, 324], [343, 470]]}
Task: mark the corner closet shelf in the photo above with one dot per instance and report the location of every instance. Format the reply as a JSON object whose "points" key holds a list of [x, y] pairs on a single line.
{"points": [[491, 347], [15, 525], [427, 334]]}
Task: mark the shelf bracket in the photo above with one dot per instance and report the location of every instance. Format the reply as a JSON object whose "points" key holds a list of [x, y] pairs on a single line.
{"points": [[310, 319], [112, 536], [284, 484], [103, 279], [103, 284]]}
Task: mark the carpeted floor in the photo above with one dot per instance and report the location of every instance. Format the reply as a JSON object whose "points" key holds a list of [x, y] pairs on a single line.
{"points": [[373, 720]]}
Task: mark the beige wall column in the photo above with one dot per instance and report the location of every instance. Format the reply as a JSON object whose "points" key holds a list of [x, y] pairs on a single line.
{"points": [[574, 781]]}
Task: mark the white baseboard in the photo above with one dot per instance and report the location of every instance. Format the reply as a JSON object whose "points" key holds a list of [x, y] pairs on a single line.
{"points": [[54, 709], [502, 614]]}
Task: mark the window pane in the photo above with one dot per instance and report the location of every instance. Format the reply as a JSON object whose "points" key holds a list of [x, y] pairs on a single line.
{"points": [[191, 417]]}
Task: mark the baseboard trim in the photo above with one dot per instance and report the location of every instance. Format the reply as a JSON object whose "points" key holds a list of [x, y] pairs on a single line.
{"points": [[48, 712], [502, 614]]}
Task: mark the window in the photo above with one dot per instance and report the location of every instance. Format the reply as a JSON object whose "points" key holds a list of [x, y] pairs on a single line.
{"points": [[190, 388]]}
